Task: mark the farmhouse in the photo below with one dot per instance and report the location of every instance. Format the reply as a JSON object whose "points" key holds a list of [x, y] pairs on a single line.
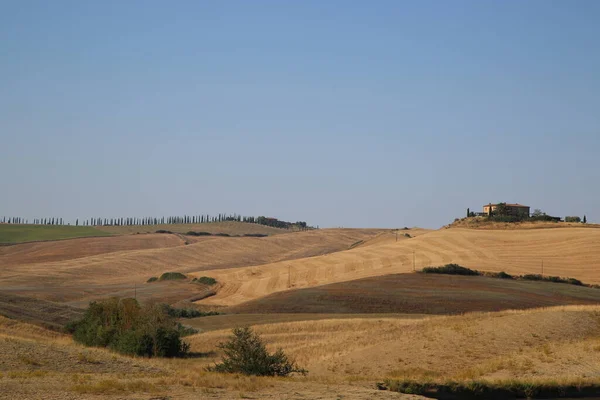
{"points": [[515, 210]]}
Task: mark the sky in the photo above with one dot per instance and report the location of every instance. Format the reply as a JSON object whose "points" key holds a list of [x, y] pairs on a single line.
{"points": [[338, 113]]}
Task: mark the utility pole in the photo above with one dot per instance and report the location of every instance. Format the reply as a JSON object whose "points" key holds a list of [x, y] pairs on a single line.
{"points": [[414, 261], [396, 235]]}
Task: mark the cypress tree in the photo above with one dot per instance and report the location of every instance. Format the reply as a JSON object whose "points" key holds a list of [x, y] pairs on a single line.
{"points": [[468, 213], [584, 219], [77, 222]]}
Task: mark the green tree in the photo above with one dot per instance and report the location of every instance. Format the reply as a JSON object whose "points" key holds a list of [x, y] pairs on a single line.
{"points": [[468, 212], [246, 353], [584, 219], [501, 209]]}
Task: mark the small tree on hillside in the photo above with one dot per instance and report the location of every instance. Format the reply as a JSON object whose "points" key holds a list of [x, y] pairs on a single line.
{"points": [[246, 353], [584, 219]]}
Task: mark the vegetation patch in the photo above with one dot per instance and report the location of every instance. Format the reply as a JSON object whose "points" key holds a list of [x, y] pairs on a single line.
{"points": [[163, 231], [186, 312], [455, 269], [123, 326], [193, 233], [512, 389], [246, 353], [255, 235], [170, 276], [206, 280], [450, 269], [152, 279]]}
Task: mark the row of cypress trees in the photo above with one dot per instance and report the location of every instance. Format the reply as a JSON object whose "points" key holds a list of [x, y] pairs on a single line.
{"points": [[185, 219]]}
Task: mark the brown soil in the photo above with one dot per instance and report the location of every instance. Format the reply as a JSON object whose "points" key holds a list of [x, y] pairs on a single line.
{"points": [[36, 311], [61, 250], [421, 294]]}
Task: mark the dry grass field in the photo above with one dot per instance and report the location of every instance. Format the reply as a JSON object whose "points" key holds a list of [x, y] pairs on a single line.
{"points": [[571, 252], [333, 299], [344, 356], [113, 272], [41, 364], [559, 342]]}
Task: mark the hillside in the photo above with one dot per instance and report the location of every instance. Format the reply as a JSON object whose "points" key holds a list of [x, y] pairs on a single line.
{"points": [[38, 364], [420, 294], [483, 223], [232, 228], [49, 251], [568, 252], [10, 233], [546, 343], [118, 271]]}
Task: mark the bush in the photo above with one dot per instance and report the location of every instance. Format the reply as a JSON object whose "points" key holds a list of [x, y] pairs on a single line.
{"points": [[246, 353], [186, 312], [169, 276], [407, 235], [123, 326], [192, 233], [572, 219], [153, 279], [255, 235], [223, 234], [450, 269], [163, 231], [206, 280], [555, 279]]}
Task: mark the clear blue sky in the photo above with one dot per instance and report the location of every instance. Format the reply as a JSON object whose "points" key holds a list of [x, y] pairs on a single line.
{"points": [[364, 114]]}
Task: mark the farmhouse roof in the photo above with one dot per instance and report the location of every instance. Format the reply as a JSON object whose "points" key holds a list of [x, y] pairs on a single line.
{"points": [[508, 205]]}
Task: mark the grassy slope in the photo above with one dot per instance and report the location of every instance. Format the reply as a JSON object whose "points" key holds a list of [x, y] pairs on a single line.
{"points": [[568, 252], [10, 233], [40, 364], [229, 227], [546, 343], [421, 294]]}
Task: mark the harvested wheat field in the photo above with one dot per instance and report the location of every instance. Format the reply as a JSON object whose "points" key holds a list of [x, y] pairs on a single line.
{"points": [[417, 293], [40, 364], [232, 228], [569, 252], [119, 271], [559, 342], [62, 250]]}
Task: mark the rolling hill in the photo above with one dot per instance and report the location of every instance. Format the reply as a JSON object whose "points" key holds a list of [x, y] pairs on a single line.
{"points": [[568, 252]]}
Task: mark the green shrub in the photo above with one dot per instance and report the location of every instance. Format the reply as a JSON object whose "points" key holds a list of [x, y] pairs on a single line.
{"points": [[192, 233], [255, 235], [169, 276], [186, 312], [450, 269], [246, 353], [572, 219], [123, 326], [407, 235], [223, 234], [163, 231], [153, 279], [206, 280], [500, 275]]}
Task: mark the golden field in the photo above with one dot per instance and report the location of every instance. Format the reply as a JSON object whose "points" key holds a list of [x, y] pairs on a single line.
{"points": [[344, 303]]}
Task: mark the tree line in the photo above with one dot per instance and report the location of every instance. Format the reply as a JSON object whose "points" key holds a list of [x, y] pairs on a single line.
{"points": [[185, 219]]}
